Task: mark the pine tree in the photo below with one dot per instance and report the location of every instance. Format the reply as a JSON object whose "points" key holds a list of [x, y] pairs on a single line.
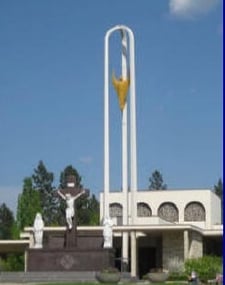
{"points": [[156, 181], [42, 180], [6, 222], [218, 189], [28, 204]]}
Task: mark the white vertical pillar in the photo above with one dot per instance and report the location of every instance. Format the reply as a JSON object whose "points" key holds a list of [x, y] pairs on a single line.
{"points": [[106, 127], [124, 155], [186, 245], [133, 270], [133, 143], [124, 131]]}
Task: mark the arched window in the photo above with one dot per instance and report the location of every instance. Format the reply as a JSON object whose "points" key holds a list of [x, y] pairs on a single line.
{"points": [[194, 211], [116, 210], [143, 210], [169, 212]]}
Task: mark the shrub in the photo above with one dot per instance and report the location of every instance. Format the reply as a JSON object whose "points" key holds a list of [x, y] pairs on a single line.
{"points": [[178, 276], [176, 269], [12, 262], [206, 267], [175, 265]]}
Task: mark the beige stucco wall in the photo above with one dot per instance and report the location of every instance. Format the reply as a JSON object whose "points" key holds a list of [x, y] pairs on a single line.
{"points": [[215, 210], [181, 198]]}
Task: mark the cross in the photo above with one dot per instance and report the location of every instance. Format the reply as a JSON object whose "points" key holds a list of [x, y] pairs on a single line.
{"points": [[70, 194]]}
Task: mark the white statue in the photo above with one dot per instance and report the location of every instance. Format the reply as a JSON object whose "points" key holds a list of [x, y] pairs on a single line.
{"points": [[38, 231], [107, 232], [70, 211]]}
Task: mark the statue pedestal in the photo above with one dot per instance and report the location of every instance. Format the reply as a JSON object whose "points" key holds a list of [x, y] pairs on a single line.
{"points": [[69, 259], [81, 252]]}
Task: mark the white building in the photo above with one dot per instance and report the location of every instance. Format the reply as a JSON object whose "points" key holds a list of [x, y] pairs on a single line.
{"points": [[166, 225]]}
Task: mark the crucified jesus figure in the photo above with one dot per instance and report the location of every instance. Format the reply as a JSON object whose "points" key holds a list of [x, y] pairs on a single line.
{"points": [[70, 211]]}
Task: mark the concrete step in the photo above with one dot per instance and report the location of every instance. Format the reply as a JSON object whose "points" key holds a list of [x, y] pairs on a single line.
{"points": [[28, 277], [66, 276]]}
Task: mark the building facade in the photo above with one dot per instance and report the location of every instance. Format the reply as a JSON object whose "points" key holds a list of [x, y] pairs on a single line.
{"points": [[165, 226]]}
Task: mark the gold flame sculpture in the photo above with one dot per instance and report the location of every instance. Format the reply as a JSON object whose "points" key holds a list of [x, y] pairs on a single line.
{"points": [[121, 86]]}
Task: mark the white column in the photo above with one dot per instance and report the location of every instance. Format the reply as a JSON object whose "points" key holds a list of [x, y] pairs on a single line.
{"points": [[133, 143], [186, 245], [106, 127], [133, 255], [124, 131], [124, 156]]}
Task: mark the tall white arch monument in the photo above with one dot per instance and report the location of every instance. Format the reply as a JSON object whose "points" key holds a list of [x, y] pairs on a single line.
{"points": [[124, 86]]}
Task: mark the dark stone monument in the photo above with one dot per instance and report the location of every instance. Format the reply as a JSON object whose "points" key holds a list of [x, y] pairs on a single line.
{"points": [[71, 250]]}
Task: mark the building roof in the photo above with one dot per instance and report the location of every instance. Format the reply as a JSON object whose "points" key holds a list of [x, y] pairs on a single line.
{"points": [[13, 245], [22, 245]]}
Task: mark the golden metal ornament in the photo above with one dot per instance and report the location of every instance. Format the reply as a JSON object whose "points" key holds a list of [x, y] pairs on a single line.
{"points": [[121, 86]]}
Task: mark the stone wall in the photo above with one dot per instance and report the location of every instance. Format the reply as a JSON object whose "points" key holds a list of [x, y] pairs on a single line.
{"points": [[173, 247], [196, 245]]}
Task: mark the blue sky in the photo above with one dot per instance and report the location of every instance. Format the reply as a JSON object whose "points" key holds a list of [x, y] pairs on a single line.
{"points": [[51, 90]]}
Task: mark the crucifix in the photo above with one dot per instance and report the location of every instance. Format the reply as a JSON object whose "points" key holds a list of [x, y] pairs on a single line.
{"points": [[70, 194]]}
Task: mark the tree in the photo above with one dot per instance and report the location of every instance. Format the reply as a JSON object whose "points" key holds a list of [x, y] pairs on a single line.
{"points": [[87, 208], [6, 222], [69, 170], [42, 180], [12, 261], [28, 204], [218, 189], [156, 181], [94, 210]]}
